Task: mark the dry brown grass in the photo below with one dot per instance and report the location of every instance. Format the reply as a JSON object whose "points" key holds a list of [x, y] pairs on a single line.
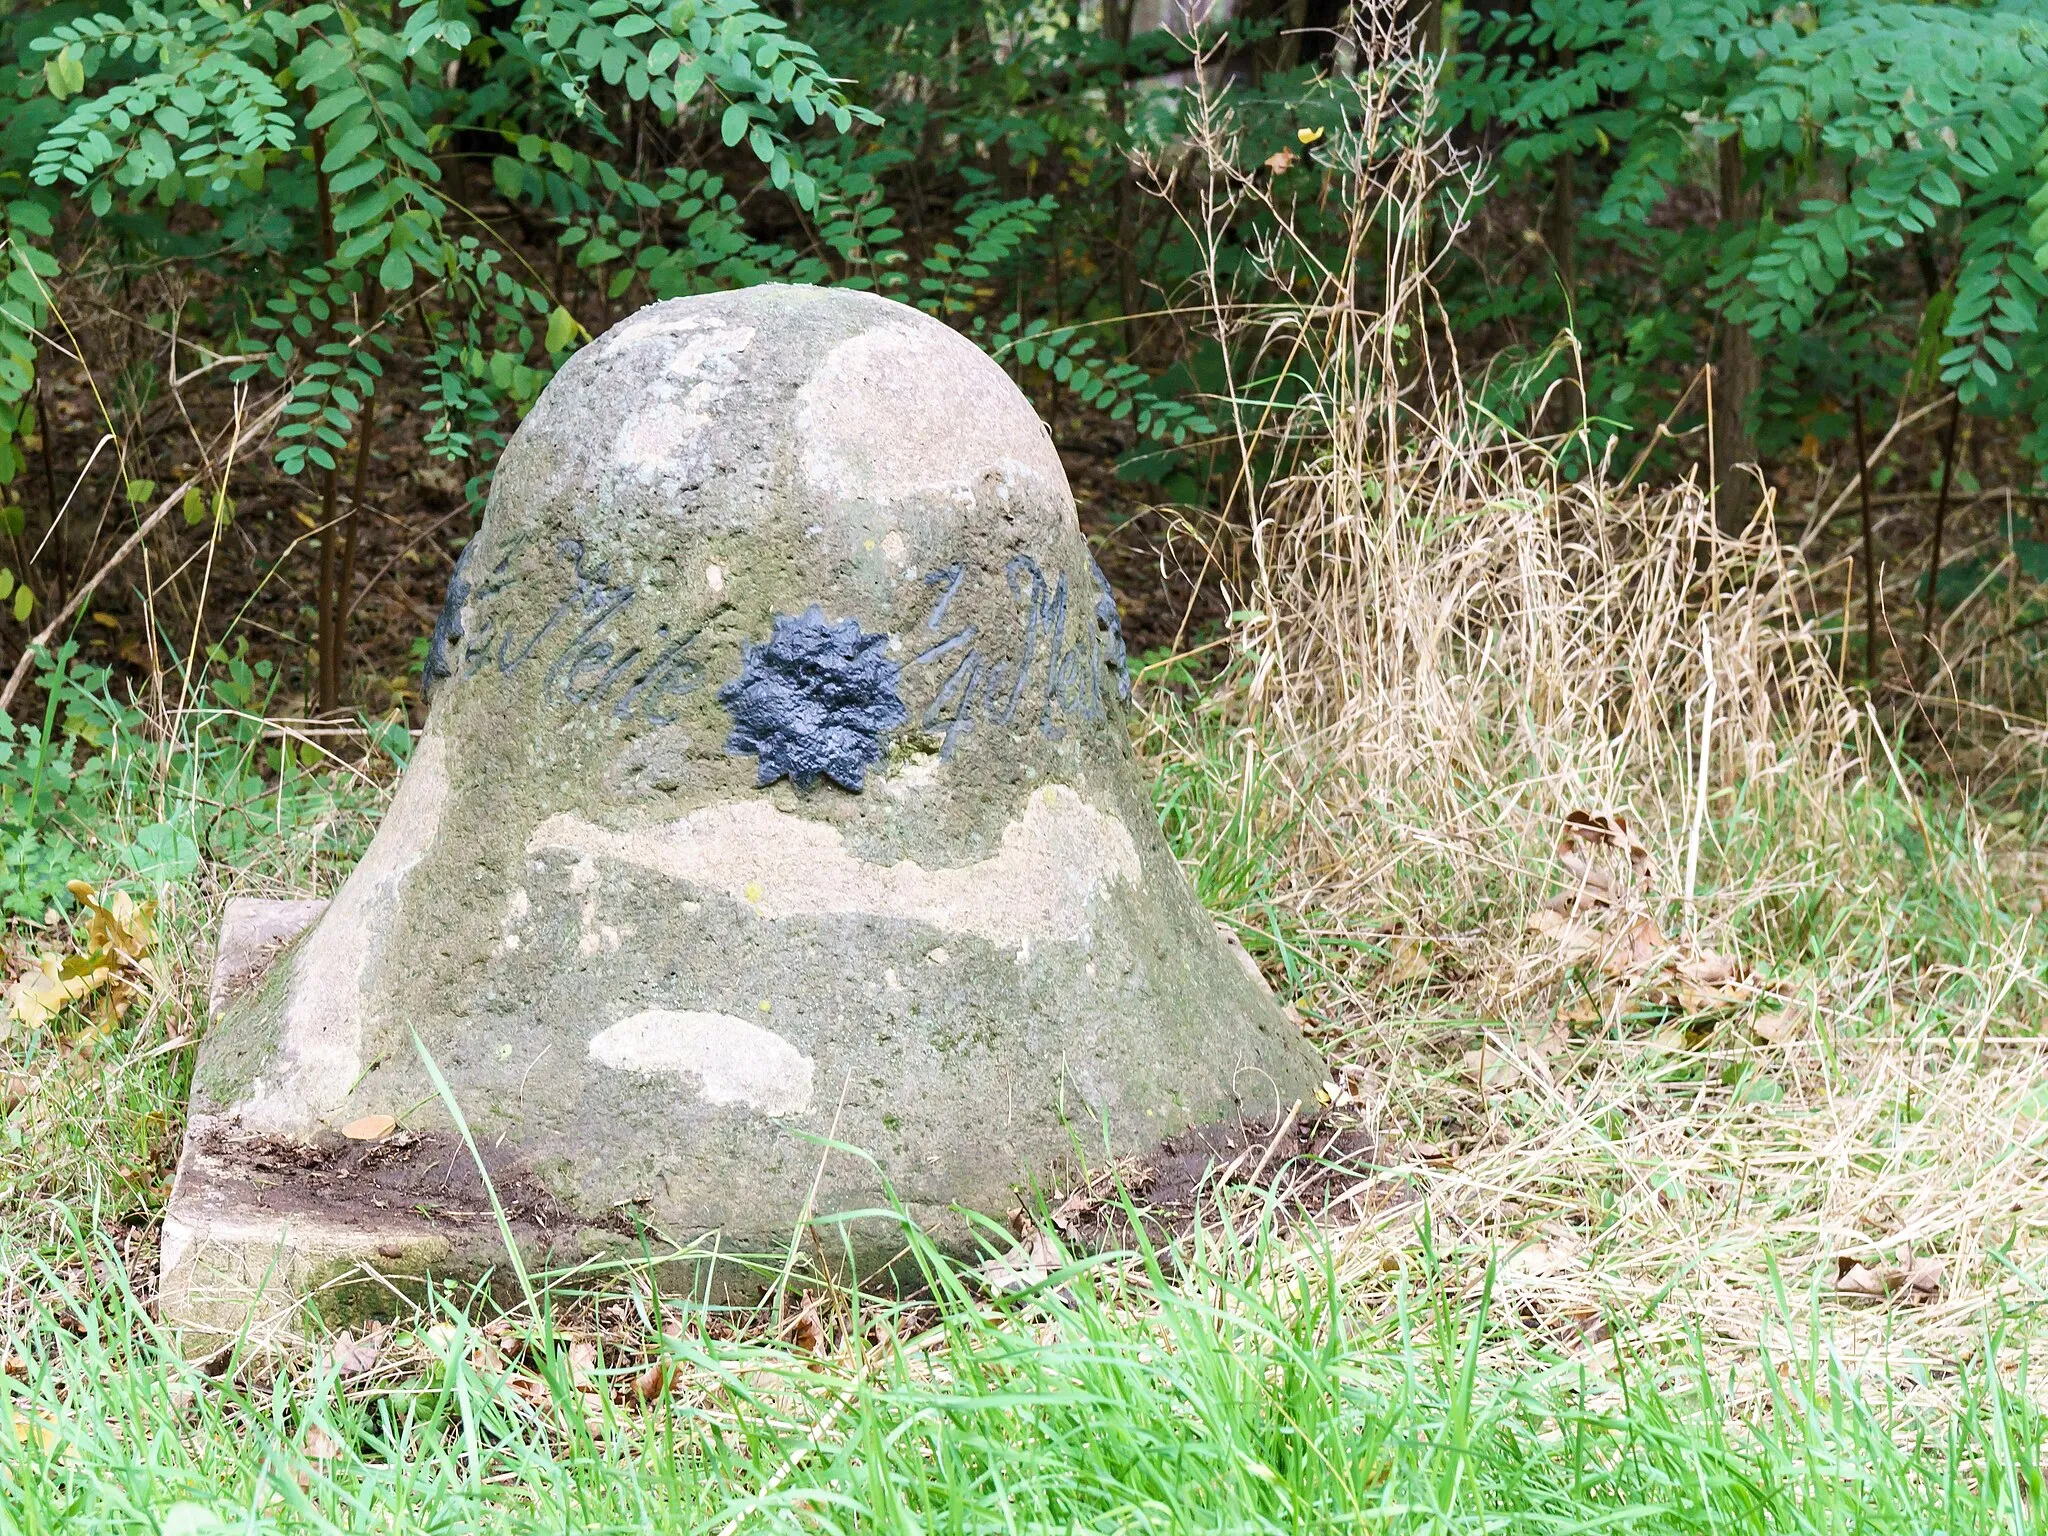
{"points": [[1444, 649]]}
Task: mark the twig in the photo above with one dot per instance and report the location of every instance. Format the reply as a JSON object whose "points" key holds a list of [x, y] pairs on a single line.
{"points": [[85, 590], [163, 509], [1273, 1145], [1870, 570], [1948, 480], [1869, 462], [1663, 429]]}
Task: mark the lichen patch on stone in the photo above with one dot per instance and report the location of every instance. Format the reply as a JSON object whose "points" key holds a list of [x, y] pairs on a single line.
{"points": [[320, 1046], [1056, 857], [732, 1060], [882, 421]]}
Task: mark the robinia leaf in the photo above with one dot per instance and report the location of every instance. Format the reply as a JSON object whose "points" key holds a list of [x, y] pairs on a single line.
{"points": [[23, 601], [562, 329], [733, 126], [64, 74]]}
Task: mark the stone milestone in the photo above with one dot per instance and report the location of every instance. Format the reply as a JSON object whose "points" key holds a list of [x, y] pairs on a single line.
{"points": [[775, 799]]}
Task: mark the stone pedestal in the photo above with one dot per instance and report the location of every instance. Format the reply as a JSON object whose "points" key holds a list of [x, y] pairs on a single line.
{"points": [[776, 794]]}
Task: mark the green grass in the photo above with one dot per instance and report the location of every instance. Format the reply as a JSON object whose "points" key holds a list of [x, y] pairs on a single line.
{"points": [[1245, 1394], [1408, 1374]]}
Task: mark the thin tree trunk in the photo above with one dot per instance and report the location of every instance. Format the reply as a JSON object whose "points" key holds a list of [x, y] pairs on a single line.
{"points": [[1873, 588], [1948, 478], [46, 430], [326, 599], [1116, 22], [352, 519], [1561, 238], [1736, 374]]}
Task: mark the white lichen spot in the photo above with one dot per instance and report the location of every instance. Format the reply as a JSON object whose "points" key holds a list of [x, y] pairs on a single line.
{"points": [[920, 772], [657, 435], [731, 1060], [939, 956], [1055, 858], [517, 907], [910, 409], [889, 980], [894, 550], [714, 578], [319, 1055]]}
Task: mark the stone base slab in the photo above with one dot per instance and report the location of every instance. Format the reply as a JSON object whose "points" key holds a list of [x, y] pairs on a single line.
{"points": [[258, 1227]]}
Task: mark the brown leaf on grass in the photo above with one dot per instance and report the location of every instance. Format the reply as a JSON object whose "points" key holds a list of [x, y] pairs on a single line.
{"points": [[583, 1363], [1780, 1026], [1609, 829], [1280, 160], [654, 1383], [320, 1448], [1855, 1278], [1407, 960], [660, 1377], [1489, 1068], [1644, 946], [351, 1356], [805, 1329], [1026, 1265], [1576, 940], [1075, 1209], [1921, 1278], [1350, 1087], [103, 977], [370, 1128]]}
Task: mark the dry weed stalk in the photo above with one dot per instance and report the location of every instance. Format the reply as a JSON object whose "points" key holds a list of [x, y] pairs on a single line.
{"points": [[1455, 644], [1445, 648]]}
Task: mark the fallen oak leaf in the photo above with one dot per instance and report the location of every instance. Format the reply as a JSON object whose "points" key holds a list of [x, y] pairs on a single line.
{"points": [[1780, 1026], [1576, 940], [583, 1363], [1609, 829], [370, 1128], [806, 1330], [1855, 1278], [351, 1356], [1921, 1278]]}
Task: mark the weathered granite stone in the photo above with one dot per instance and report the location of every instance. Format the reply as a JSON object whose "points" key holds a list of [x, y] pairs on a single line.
{"points": [[776, 789]]}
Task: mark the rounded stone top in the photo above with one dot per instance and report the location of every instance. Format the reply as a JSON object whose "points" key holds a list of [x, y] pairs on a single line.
{"points": [[853, 415], [801, 526]]}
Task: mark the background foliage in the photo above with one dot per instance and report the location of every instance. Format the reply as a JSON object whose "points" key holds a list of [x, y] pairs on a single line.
{"points": [[1708, 233]]}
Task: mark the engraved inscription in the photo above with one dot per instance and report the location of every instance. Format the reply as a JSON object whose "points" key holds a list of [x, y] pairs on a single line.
{"points": [[588, 661], [1044, 672]]}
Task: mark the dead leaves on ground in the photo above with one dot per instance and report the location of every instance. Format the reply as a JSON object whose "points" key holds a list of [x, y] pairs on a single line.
{"points": [[102, 974], [1600, 924], [1917, 1280]]}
